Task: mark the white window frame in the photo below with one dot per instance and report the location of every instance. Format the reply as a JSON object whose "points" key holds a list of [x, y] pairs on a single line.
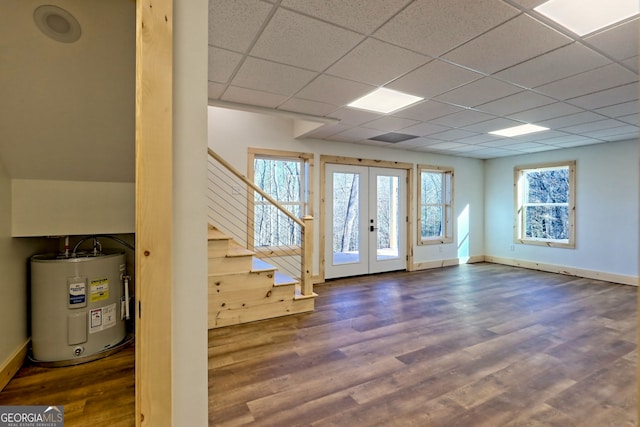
{"points": [[520, 205], [446, 205]]}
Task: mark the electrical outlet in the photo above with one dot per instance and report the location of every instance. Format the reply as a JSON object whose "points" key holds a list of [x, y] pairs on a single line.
{"points": [[512, 248], [440, 249], [236, 191]]}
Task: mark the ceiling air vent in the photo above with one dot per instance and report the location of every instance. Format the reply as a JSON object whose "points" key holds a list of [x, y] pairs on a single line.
{"points": [[393, 137]]}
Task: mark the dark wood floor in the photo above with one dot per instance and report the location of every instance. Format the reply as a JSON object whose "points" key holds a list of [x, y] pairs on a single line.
{"points": [[474, 345], [97, 394]]}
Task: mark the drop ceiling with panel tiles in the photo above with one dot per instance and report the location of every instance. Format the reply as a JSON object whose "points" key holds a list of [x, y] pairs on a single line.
{"points": [[480, 66]]}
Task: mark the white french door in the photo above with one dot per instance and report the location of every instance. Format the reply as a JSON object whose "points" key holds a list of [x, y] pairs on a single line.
{"points": [[365, 220]]}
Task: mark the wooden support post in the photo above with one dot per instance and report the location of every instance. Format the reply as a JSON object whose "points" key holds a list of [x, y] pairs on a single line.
{"points": [[154, 220], [307, 256]]}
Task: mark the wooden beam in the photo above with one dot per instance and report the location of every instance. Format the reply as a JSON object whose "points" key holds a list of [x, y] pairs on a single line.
{"points": [[154, 222]]}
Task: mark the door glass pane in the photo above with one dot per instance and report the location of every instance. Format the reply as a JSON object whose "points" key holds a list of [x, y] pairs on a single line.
{"points": [[346, 239], [388, 221]]}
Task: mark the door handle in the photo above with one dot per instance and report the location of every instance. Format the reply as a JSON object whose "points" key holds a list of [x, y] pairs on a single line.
{"points": [[372, 228]]}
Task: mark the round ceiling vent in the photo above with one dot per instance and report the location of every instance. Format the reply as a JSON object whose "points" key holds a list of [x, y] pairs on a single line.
{"points": [[57, 23]]}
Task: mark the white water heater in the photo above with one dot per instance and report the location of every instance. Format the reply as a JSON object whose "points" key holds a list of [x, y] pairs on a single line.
{"points": [[77, 305]]}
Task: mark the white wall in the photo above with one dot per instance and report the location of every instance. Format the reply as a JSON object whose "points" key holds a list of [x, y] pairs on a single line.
{"points": [[606, 210], [190, 342], [14, 256], [232, 132], [59, 208]]}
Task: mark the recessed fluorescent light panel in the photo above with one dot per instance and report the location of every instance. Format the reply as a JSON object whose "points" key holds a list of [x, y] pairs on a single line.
{"points": [[518, 130], [584, 17], [385, 101]]}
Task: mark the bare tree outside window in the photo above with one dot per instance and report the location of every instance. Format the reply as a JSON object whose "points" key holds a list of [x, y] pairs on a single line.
{"points": [[345, 212], [282, 180], [435, 205], [545, 204]]}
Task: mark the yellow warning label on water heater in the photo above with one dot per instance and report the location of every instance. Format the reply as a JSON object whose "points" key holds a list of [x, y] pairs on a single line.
{"points": [[99, 290]]}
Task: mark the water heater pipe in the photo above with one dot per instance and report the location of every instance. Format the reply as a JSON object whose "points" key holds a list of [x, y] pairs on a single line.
{"points": [[126, 297]]}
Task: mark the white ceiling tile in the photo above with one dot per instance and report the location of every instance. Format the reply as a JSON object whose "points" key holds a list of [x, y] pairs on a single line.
{"points": [[481, 138], [632, 63], [621, 42], [540, 147], [566, 139], [465, 148], [570, 120], [279, 78], [596, 77], [354, 116], [478, 92], [355, 134], [592, 126], [526, 146], [445, 146], [427, 110], [507, 45], [632, 119], [497, 142], [376, 63], [552, 66], [252, 97], [453, 134], [606, 98], [515, 103], [305, 106], [363, 16], [538, 136], [489, 153], [289, 36], [215, 90], [491, 125], [433, 27], [606, 77], [614, 131], [222, 64], [579, 143], [621, 137], [546, 112], [463, 118], [333, 90], [434, 78], [327, 130], [543, 136], [424, 129], [234, 25], [529, 4], [618, 110], [390, 123], [418, 142]]}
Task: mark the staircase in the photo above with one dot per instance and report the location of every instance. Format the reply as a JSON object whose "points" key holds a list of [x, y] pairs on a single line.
{"points": [[243, 288]]}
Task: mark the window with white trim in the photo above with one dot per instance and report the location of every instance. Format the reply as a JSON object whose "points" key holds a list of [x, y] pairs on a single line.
{"points": [[435, 208], [545, 204]]}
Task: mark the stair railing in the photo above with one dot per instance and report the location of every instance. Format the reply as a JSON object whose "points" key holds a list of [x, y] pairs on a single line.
{"points": [[232, 209]]}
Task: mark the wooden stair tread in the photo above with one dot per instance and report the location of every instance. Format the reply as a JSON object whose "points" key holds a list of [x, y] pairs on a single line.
{"points": [[215, 234], [236, 250], [282, 279], [298, 295], [260, 265]]}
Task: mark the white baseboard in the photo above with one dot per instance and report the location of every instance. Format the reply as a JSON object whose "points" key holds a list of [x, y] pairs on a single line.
{"points": [[569, 271], [426, 265], [11, 366]]}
